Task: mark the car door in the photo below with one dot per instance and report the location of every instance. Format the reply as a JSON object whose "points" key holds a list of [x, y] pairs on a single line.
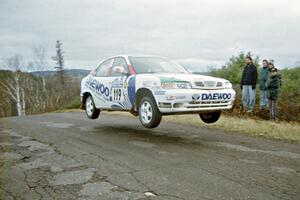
{"points": [[119, 92], [102, 85]]}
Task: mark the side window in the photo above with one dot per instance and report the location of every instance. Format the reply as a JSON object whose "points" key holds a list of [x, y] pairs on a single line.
{"points": [[115, 67], [104, 69]]}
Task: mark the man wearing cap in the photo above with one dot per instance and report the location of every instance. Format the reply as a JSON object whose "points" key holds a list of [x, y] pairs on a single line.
{"points": [[248, 85], [264, 73], [273, 87]]}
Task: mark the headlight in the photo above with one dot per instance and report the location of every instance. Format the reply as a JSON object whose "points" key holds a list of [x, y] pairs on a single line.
{"points": [[176, 85], [228, 85]]}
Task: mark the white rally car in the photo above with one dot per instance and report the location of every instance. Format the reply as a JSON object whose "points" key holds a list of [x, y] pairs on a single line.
{"points": [[151, 86]]}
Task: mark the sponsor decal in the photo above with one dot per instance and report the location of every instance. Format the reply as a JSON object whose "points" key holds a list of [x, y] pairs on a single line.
{"points": [[147, 83], [164, 79], [159, 92], [97, 87], [119, 93], [172, 97], [131, 89], [196, 97], [180, 97], [117, 83], [115, 106], [212, 96], [116, 89], [216, 96]]}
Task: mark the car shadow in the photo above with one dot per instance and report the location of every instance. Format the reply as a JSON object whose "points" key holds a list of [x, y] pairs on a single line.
{"points": [[157, 136]]}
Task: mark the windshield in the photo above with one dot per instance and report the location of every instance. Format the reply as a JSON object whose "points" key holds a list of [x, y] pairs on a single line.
{"points": [[155, 65]]}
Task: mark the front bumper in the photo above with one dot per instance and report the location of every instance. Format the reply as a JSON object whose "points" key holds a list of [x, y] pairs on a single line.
{"points": [[194, 100]]}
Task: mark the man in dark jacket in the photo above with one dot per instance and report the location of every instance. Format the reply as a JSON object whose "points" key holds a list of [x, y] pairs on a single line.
{"points": [[264, 73], [248, 85], [273, 87]]}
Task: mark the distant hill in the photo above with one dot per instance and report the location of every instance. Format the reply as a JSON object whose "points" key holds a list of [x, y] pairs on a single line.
{"points": [[69, 72]]}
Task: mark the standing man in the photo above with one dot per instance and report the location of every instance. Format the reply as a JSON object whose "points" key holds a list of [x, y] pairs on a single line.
{"points": [[273, 87], [248, 85], [264, 73], [270, 67]]}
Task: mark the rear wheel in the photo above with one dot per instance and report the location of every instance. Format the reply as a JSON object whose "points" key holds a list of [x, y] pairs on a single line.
{"points": [[210, 117], [149, 114], [91, 111]]}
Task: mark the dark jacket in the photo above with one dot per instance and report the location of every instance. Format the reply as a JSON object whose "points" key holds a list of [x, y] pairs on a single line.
{"points": [[273, 87], [249, 76], [264, 73], [269, 76]]}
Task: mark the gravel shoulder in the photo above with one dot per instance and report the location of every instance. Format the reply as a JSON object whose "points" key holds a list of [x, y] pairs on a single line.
{"points": [[67, 156]]}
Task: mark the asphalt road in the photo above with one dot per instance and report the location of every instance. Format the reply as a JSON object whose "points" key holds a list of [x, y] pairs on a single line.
{"points": [[67, 156]]}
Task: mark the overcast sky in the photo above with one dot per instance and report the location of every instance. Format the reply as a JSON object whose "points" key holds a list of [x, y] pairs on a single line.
{"points": [[207, 32]]}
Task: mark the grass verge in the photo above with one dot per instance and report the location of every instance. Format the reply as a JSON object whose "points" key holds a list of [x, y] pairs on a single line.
{"points": [[277, 130], [255, 127]]}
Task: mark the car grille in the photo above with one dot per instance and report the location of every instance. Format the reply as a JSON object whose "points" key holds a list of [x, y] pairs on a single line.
{"points": [[219, 84], [199, 84], [208, 104], [208, 84]]}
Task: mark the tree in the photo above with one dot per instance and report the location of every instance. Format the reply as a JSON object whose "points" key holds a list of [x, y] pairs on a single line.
{"points": [[40, 64], [39, 61], [59, 58], [12, 84], [1, 64], [30, 66], [233, 70]]}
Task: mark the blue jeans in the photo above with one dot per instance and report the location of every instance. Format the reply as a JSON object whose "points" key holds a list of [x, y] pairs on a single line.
{"points": [[248, 97], [263, 99], [273, 110]]}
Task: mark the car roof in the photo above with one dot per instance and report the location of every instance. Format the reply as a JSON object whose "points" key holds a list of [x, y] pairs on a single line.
{"points": [[126, 56], [138, 55]]}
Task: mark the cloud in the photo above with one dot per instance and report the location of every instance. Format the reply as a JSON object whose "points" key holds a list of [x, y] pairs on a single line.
{"points": [[180, 29]]}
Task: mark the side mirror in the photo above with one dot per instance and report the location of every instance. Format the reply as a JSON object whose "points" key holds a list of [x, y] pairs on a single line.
{"points": [[93, 72]]}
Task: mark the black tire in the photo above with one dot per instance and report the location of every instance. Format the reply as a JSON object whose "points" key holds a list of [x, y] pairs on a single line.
{"points": [[210, 118], [149, 114], [91, 111]]}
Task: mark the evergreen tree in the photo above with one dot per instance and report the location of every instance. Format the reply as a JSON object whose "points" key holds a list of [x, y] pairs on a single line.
{"points": [[59, 58]]}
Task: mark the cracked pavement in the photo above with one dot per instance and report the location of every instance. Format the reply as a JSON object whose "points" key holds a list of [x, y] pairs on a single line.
{"points": [[67, 156]]}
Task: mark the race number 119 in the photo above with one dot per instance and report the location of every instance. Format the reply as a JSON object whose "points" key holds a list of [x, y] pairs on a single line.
{"points": [[117, 94]]}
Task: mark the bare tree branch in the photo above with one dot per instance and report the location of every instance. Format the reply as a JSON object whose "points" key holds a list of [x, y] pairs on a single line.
{"points": [[39, 57], [8, 91], [14, 63]]}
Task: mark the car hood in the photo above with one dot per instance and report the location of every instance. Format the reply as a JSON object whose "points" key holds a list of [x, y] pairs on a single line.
{"points": [[185, 77]]}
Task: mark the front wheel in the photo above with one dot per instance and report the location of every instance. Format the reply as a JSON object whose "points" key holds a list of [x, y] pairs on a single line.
{"points": [[91, 111], [149, 114], [210, 117]]}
